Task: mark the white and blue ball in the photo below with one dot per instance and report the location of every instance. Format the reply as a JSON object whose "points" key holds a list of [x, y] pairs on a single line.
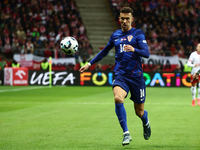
{"points": [[69, 45]]}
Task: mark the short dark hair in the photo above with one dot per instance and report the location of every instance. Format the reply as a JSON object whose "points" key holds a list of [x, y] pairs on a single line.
{"points": [[126, 10]]}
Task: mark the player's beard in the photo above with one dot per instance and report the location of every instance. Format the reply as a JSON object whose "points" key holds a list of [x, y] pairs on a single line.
{"points": [[125, 27]]}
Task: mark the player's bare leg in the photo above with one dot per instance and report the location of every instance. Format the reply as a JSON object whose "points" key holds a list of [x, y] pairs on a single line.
{"points": [[119, 95], [141, 113]]}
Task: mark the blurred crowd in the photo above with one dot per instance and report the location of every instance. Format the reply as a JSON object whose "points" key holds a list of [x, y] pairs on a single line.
{"points": [[38, 26], [171, 26]]}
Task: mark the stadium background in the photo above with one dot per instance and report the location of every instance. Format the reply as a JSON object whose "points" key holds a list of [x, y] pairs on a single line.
{"points": [[33, 29]]}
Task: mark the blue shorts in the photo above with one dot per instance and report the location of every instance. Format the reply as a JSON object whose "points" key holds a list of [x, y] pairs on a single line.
{"points": [[138, 93]]}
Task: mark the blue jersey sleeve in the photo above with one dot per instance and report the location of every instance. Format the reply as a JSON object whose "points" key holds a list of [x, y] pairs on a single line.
{"points": [[103, 52], [144, 50]]}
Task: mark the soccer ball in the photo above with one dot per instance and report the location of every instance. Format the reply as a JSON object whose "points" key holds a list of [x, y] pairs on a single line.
{"points": [[69, 45]]}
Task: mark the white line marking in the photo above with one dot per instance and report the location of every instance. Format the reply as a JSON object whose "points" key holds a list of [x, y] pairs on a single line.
{"points": [[21, 89], [93, 103]]}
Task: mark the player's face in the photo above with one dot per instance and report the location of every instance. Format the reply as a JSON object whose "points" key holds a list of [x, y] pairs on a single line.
{"points": [[198, 48], [126, 20]]}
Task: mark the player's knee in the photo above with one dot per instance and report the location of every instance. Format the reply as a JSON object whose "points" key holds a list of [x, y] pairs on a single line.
{"points": [[118, 99], [193, 90]]}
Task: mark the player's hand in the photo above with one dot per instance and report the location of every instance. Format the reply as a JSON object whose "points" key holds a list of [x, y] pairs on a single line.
{"points": [[82, 69], [129, 48], [196, 65], [195, 77]]}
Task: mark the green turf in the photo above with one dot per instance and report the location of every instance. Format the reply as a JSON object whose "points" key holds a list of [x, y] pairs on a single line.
{"points": [[83, 118]]}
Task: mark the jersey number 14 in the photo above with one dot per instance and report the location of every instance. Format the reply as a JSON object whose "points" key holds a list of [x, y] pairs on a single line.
{"points": [[122, 48]]}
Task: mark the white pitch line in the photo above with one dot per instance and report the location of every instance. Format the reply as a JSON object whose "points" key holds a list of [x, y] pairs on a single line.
{"points": [[93, 103], [21, 89]]}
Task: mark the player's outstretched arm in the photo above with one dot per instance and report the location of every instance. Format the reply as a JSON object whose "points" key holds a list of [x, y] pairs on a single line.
{"points": [[82, 69]]}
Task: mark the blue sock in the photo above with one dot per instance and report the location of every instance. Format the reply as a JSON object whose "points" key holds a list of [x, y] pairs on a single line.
{"points": [[144, 118], [121, 114]]}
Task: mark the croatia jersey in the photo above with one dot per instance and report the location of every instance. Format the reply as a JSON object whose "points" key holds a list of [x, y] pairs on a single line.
{"points": [[128, 64], [194, 59]]}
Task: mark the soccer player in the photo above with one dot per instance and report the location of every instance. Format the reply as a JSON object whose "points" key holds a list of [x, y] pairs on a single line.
{"points": [[194, 62], [130, 46]]}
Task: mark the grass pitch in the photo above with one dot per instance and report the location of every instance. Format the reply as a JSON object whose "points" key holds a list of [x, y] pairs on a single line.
{"points": [[83, 118]]}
